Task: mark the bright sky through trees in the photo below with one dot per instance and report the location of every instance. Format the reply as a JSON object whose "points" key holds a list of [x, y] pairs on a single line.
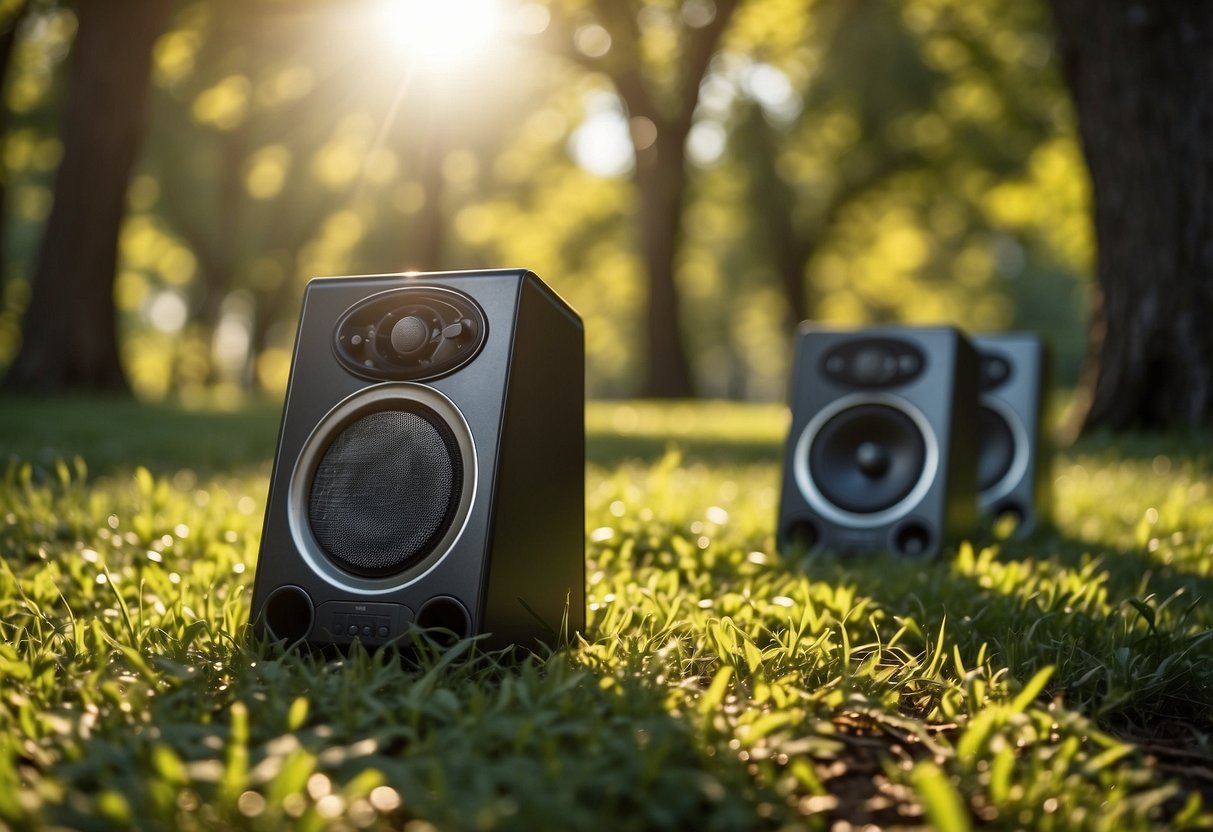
{"points": [[441, 34]]}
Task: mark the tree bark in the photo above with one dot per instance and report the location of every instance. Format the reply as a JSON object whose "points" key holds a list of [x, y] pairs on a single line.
{"points": [[661, 185], [69, 336], [660, 175], [661, 181], [773, 205], [8, 42], [1141, 75]]}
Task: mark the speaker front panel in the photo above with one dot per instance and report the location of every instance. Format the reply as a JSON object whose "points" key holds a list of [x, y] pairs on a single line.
{"points": [[381, 506], [870, 458]]}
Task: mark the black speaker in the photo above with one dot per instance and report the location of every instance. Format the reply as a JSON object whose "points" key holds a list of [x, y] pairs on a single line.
{"points": [[880, 452], [1012, 462], [431, 464]]}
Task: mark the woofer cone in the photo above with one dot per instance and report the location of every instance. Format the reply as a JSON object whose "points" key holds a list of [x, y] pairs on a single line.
{"points": [[386, 490], [866, 460], [383, 487], [996, 448], [1002, 452]]}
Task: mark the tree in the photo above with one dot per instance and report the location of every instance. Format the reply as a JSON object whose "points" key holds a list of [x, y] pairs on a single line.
{"points": [[1141, 76], [69, 337], [908, 146], [9, 29], [660, 104]]}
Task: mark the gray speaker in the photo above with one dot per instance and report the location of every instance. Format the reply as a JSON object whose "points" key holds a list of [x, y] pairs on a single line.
{"points": [[880, 452], [430, 466], [1013, 458]]}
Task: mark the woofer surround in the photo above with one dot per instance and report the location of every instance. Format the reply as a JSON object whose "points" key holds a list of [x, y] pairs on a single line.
{"points": [[1003, 449], [383, 487], [830, 469]]}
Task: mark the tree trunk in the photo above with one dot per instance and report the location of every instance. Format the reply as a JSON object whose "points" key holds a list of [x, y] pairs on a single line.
{"points": [[773, 205], [69, 337], [8, 41], [1141, 75], [661, 184]]}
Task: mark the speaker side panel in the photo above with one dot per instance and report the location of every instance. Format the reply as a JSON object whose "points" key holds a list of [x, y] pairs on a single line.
{"points": [[536, 568], [960, 483]]}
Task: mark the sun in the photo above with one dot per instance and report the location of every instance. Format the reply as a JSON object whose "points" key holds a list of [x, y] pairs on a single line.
{"points": [[440, 34]]}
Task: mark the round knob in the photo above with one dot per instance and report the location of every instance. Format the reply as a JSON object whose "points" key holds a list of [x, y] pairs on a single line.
{"points": [[409, 335]]}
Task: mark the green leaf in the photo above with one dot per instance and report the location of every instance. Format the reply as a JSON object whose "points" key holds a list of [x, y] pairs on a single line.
{"points": [[1032, 689], [714, 695], [944, 806]]}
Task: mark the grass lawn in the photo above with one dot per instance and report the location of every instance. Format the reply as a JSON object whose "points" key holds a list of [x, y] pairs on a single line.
{"points": [[1064, 682]]}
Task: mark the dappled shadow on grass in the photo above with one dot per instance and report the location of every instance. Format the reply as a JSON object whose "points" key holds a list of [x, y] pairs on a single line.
{"points": [[611, 450], [1118, 625], [1126, 654], [713, 432], [686, 687], [1194, 446], [244, 734], [119, 434]]}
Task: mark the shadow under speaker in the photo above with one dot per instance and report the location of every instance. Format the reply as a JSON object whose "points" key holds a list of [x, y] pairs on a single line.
{"points": [[880, 452], [1012, 461], [431, 464]]}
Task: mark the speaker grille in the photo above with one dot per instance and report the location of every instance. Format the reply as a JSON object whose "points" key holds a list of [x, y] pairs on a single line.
{"points": [[386, 490]]}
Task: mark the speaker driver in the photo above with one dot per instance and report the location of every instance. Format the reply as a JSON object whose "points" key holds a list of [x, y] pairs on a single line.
{"points": [[385, 491], [996, 445], [382, 487], [1003, 450], [867, 458]]}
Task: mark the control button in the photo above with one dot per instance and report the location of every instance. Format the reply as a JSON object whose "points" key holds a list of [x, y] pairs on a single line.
{"points": [[873, 366], [352, 630], [382, 632], [366, 629], [873, 362]]}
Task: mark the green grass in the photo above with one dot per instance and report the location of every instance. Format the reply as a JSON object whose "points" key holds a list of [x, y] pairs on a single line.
{"points": [[1058, 683]]}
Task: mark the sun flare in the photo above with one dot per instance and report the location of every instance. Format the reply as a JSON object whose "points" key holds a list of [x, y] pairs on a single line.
{"points": [[441, 33]]}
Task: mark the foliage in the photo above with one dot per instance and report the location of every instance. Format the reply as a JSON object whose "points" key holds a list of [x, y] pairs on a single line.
{"points": [[920, 152], [1057, 683]]}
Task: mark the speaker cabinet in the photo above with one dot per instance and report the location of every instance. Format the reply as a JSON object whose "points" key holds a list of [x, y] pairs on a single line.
{"points": [[431, 464], [880, 452], [1012, 462]]}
